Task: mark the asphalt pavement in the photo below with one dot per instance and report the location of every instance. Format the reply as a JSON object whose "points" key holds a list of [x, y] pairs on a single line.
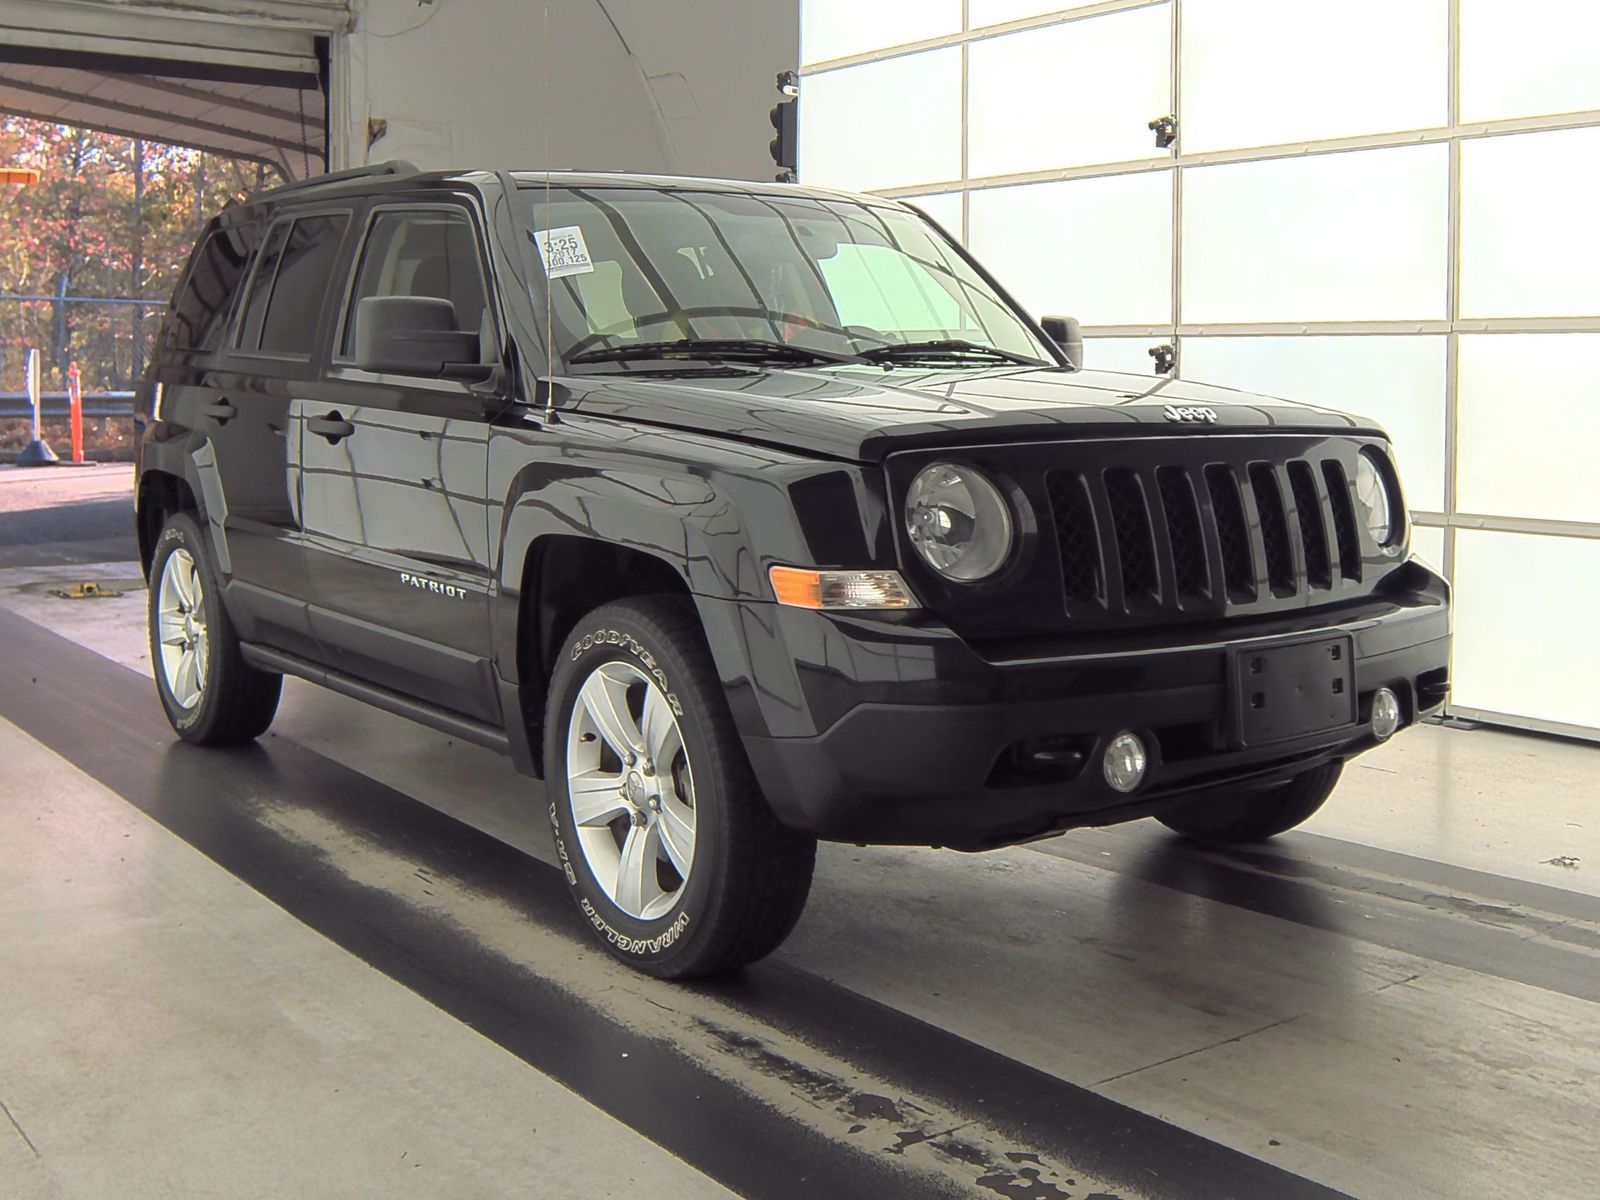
{"points": [[64, 515]]}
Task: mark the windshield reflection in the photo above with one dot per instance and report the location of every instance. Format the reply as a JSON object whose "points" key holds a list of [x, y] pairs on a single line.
{"points": [[640, 273]]}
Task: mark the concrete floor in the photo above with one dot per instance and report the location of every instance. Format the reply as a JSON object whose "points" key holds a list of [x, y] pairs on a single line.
{"points": [[1397, 1001]]}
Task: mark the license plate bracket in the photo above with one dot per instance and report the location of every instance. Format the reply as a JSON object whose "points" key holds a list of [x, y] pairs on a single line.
{"points": [[1294, 689]]}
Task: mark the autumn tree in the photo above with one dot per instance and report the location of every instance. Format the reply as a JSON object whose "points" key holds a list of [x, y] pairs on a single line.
{"points": [[110, 219]]}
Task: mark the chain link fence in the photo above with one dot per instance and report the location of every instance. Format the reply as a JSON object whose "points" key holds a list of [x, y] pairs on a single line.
{"points": [[110, 339]]}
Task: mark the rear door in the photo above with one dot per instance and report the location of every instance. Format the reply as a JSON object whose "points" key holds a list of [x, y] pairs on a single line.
{"points": [[270, 356], [239, 436], [394, 478]]}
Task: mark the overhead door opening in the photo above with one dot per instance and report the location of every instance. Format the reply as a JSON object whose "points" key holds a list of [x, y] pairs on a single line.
{"points": [[275, 118]]}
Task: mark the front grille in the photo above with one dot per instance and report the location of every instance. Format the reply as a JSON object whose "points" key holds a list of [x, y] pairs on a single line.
{"points": [[1203, 538]]}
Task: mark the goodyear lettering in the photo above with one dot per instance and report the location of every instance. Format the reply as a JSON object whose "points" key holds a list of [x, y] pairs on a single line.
{"points": [[612, 637]]}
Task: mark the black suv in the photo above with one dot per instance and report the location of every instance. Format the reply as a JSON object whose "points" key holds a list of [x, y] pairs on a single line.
{"points": [[746, 515]]}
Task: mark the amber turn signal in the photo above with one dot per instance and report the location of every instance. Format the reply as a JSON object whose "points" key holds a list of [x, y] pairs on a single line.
{"points": [[801, 588]]}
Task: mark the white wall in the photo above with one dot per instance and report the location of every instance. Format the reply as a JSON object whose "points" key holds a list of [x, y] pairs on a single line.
{"points": [[634, 85]]}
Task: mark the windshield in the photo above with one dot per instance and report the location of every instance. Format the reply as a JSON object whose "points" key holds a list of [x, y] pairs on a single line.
{"points": [[635, 272]]}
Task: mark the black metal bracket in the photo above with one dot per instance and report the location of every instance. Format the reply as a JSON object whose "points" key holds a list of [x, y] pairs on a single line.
{"points": [[1166, 131]]}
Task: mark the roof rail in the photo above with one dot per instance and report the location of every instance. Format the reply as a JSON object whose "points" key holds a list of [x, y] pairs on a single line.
{"points": [[395, 167]]}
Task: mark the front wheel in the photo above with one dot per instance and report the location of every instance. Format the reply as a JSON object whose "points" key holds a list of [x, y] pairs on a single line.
{"points": [[1256, 816], [211, 695], [670, 851]]}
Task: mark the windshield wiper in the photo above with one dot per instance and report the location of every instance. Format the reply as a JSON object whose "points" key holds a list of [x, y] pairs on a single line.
{"points": [[716, 350], [946, 349]]}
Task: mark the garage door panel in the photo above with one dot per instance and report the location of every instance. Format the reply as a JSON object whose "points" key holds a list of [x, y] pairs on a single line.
{"points": [[184, 41], [236, 80], [1521, 647], [1529, 423]]}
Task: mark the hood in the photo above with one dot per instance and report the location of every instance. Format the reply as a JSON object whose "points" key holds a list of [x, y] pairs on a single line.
{"points": [[863, 413]]}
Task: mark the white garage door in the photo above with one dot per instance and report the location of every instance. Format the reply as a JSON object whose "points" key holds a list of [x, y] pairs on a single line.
{"points": [[1378, 205], [243, 78]]}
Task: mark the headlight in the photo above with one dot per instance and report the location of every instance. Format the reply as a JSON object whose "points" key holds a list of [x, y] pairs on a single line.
{"points": [[959, 522], [1379, 509]]}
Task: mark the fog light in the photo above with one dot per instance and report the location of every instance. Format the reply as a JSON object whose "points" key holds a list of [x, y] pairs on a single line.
{"points": [[1385, 714], [1125, 762]]}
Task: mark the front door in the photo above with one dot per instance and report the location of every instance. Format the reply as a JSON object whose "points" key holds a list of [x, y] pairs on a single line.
{"points": [[393, 480]]}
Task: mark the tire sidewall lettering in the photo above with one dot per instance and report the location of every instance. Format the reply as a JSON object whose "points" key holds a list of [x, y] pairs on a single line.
{"points": [[625, 942], [626, 641]]}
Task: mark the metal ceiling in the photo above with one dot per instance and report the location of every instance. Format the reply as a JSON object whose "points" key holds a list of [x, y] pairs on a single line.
{"points": [[243, 78], [284, 127]]}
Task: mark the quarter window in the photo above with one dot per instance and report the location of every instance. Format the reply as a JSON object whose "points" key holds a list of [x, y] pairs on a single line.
{"points": [[200, 311], [426, 252]]}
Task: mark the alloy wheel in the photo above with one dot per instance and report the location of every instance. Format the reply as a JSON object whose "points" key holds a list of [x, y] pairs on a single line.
{"points": [[181, 622], [631, 790]]}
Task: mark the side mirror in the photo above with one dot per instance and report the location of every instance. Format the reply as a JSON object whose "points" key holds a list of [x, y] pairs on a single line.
{"points": [[1068, 334], [414, 335]]}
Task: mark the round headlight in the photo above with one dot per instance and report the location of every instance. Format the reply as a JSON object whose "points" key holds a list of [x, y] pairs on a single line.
{"points": [[1377, 507], [959, 522]]}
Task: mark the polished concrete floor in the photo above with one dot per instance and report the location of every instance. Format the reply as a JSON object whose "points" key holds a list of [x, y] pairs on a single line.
{"points": [[340, 964]]}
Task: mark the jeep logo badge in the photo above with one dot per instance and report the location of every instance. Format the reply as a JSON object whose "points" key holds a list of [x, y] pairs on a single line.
{"points": [[1174, 413]]}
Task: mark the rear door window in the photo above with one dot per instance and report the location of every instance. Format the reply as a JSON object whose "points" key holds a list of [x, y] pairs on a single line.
{"points": [[255, 305], [284, 307]]}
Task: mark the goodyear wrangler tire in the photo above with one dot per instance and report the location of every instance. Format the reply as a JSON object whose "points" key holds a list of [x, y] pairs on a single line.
{"points": [[1258, 816], [211, 695], [671, 854]]}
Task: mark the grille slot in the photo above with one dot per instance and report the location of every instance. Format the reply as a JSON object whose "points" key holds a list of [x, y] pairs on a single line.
{"points": [[1130, 518], [1274, 529], [1233, 535], [1313, 533], [1252, 530], [1189, 568], [1344, 520], [1075, 537]]}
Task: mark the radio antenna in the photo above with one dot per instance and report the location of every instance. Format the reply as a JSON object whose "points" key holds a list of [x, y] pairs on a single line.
{"points": [[544, 251]]}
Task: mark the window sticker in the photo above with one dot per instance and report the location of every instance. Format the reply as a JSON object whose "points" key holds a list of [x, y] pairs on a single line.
{"points": [[564, 251]]}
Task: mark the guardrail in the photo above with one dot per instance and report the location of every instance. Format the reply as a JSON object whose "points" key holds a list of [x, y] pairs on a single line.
{"points": [[56, 405]]}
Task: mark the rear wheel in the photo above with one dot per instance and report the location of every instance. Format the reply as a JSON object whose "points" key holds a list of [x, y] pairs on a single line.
{"points": [[211, 695], [672, 855], [1256, 816]]}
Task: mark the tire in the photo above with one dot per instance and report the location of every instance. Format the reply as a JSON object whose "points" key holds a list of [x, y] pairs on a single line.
{"points": [[716, 882], [1257, 816], [211, 695]]}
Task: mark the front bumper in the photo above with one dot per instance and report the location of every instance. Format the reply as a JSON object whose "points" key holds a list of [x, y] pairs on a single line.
{"points": [[898, 732]]}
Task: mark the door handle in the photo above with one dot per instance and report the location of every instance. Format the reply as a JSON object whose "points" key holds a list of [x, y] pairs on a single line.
{"points": [[221, 412], [333, 427]]}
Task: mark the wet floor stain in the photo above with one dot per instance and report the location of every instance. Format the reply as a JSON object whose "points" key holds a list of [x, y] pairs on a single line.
{"points": [[1021, 1185], [963, 1150]]}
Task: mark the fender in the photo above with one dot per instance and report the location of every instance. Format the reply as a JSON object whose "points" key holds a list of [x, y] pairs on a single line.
{"points": [[192, 459], [717, 513]]}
